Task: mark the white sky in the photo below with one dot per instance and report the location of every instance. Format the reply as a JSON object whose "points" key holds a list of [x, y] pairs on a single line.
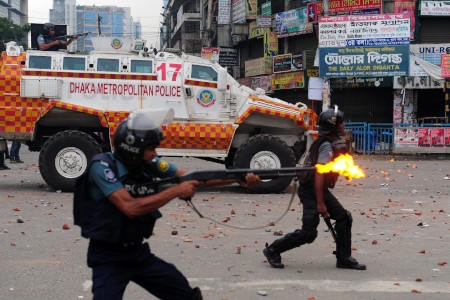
{"points": [[148, 12]]}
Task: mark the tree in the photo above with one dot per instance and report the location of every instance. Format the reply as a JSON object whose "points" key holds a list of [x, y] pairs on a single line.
{"points": [[12, 32]]}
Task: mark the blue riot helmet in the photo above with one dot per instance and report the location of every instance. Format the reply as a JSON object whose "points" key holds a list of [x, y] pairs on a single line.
{"points": [[140, 130]]}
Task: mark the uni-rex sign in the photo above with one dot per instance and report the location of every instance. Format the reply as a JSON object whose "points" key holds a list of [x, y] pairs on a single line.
{"points": [[364, 61]]}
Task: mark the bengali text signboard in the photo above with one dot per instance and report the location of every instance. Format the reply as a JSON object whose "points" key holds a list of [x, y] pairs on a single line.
{"points": [[365, 30], [364, 61]]}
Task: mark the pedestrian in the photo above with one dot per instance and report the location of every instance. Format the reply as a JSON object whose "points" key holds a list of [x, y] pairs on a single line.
{"points": [[121, 208], [317, 200], [14, 153], [48, 42], [3, 153]]}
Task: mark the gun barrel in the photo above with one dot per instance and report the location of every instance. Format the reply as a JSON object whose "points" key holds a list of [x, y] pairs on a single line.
{"points": [[273, 173]]}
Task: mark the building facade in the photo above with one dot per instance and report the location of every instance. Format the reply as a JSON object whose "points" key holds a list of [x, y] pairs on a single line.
{"points": [[105, 21], [64, 13], [14, 10], [267, 34]]}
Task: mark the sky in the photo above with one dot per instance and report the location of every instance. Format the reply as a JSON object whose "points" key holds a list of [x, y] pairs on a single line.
{"points": [[148, 12]]}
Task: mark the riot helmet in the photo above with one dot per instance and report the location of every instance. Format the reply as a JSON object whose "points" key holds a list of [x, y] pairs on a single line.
{"points": [[329, 120], [47, 26], [140, 130]]}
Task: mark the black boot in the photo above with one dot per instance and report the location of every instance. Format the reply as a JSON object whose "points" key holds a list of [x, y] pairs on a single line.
{"points": [[349, 263], [272, 252], [273, 257]]}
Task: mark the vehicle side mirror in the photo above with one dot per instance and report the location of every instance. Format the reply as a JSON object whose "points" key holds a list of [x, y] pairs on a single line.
{"points": [[222, 80]]}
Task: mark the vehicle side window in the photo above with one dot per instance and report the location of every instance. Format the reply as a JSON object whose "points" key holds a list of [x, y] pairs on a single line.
{"points": [[203, 73], [40, 62], [141, 66], [108, 65], [74, 63]]}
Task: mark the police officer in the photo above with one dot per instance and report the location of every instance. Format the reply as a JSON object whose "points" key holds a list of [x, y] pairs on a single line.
{"points": [[122, 207], [317, 200], [48, 42]]}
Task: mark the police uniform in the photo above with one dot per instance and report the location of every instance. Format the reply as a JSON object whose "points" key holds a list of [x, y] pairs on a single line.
{"points": [[117, 252], [311, 218], [45, 39], [324, 149]]}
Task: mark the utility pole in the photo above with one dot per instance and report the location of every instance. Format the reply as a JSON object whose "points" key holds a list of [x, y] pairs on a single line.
{"points": [[326, 89]]}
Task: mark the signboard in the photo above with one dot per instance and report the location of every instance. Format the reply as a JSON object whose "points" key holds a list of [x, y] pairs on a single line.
{"points": [[283, 81], [287, 63], [429, 52], [270, 44], [416, 82], [264, 21], [434, 8], [445, 66], [255, 31], [251, 9], [407, 7], [238, 12], [343, 7], [361, 82], [266, 8], [211, 53], [364, 61], [223, 14], [228, 57], [367, 30], [262, 82], [292, 22], [258, 66]]}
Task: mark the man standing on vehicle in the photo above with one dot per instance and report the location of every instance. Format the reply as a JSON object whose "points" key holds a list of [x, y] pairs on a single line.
{"points": [[120, 207], [317, 200], [48, 42]]}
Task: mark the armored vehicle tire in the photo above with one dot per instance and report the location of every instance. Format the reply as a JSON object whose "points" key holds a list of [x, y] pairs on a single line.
{"points": [[266, 152], [65, 156]]}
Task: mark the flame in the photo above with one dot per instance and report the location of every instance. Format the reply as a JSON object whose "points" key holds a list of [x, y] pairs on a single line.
{"points": [[344, 165]]}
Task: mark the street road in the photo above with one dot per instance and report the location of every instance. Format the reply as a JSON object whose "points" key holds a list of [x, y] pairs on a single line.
{"points": [[401, 214]]}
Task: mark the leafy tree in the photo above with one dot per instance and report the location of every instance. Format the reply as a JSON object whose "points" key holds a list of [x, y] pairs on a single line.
{"points": [[12, 32]]}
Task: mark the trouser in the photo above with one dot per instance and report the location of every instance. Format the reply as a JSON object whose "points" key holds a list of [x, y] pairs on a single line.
{"points": [[311, 220], [14, 151], [110, 275]]}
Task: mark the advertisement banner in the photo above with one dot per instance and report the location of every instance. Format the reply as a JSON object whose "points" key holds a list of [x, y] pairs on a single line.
{"points": [[364, 61], [293, 22], [445, 66], [407, 7], [238, 12], [228, 57], [287, 63], [270, 44], [285, 81], [368, 30], [262, 82], [434, 8], [254, 31], [251, 9], [266, 8], [258, 66], [343, 7], [211, 53], [224, 10]]}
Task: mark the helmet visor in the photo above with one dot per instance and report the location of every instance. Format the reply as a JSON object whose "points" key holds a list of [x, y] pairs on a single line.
{"points": [[149, 119]]}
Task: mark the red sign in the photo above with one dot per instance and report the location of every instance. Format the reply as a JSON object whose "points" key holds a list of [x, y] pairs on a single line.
{"points": [[445, 65]]}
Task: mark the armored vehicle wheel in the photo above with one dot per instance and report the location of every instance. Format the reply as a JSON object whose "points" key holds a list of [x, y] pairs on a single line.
{"points": [[65, 156], [266, 152]]}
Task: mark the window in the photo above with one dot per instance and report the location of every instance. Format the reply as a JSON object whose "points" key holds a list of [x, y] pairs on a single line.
{"points": [[40, 62], [108, 65], [203, 73], [74, 63], [141, 66]]}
